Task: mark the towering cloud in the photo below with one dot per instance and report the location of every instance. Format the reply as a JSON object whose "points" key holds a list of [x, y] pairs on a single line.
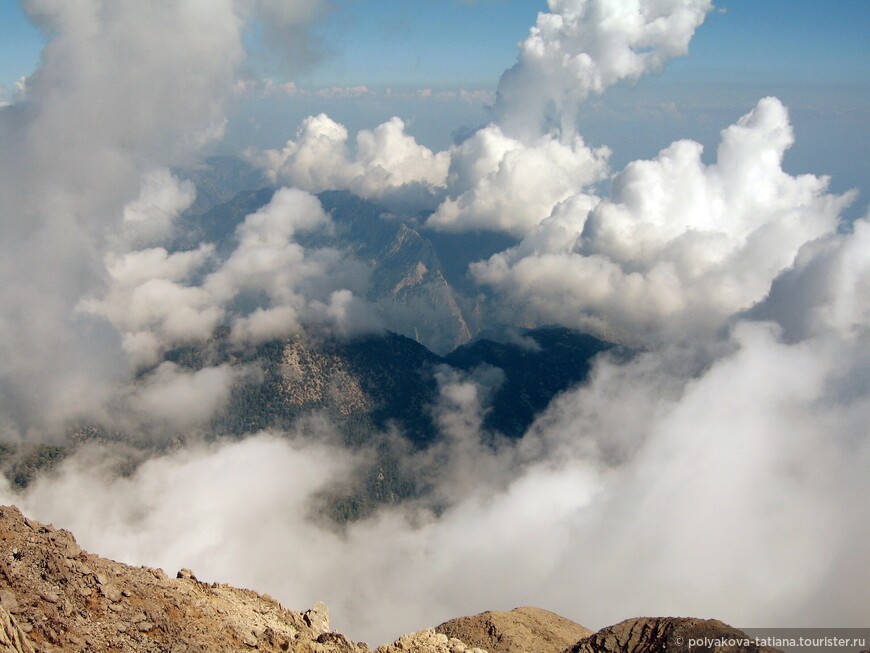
{"points": [[679, 246], [512, 174], [582, 47]]}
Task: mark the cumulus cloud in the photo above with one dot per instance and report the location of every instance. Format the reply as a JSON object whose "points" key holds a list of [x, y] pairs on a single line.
{"points": [[162, 198], [826, 289], [385, 163], [511, 174], [679, 246], [158, 298], [297, 282], [581, 47], [499, 183]]}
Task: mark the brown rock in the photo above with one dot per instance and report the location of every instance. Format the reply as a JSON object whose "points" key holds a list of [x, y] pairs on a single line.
{"points": [[67, 599], [672, 634], [317, 618], [110, 592], [8, 601], [185, 573], [56, 597], [12, 638], [521, 630], [428, 641]]}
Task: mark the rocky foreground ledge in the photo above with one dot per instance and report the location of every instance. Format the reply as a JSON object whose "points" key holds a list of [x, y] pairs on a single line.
{"points": [[56, 597]]}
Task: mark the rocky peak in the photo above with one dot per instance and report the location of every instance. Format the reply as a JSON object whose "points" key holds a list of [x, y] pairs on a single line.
{"points": [[428, 641], [672, 634], [517, 631]]}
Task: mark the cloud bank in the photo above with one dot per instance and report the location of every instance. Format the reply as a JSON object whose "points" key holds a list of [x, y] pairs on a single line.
{"points": [[680, 482]]}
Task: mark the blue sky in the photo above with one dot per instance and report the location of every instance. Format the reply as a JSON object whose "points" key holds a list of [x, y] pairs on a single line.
{"points": [[469, 43], [813, 55]]}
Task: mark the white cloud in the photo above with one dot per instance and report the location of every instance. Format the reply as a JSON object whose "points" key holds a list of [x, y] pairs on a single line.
{"points": [[828, 289], [679, 246], [149, 219], [268, 261], [582, 47], [385, 163], [156, 299], [182, 398], [499, 183], [122, 88], [720, 473]]}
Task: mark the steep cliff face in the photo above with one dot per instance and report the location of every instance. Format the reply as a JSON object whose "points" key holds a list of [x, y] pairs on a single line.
{"points": [[413, 294], [311, 378]]}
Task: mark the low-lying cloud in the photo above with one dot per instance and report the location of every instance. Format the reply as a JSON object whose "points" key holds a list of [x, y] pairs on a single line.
{"points": [[157, 298], [725, 484]]}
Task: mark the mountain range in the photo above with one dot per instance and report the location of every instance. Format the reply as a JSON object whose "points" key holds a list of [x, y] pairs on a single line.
{"points": [[375, 385]]}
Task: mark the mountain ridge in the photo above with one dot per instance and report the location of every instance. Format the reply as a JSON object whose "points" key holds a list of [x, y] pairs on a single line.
{"points": [[57, 597]]}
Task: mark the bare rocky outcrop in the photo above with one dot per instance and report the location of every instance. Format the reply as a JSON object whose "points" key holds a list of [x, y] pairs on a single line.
{"points": [[522, 630], [428, 641], [671, 634], [12, 638], [56, 597], [60, 598], [311, 378]]}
